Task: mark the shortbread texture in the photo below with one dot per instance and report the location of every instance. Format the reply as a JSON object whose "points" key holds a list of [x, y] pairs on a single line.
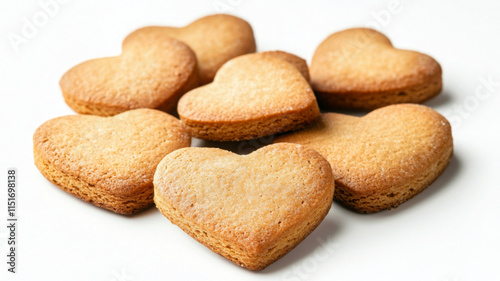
{"points": [[108, 161], [251, 209], [296, 61], [384, 158], [215, 39], [153, 71], [252, 96], [360, 69]]}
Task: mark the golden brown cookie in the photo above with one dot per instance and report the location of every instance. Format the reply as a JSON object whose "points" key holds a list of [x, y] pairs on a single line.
{"points": [[252, 96], [215, 39], [296, 61], [153, 71], [360, 69], [108, 161], [384, 158], [251, 209]]}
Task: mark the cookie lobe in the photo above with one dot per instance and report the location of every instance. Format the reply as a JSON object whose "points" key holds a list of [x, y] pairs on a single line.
{"points": [[360, 69], [382, 159], [252, 96], [108, 161], [152, 72], [215, 39]]}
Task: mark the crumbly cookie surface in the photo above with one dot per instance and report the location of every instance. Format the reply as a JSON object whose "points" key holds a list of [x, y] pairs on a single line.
{"points": [[215, 39], [251, 209], [296, 61], [360, 69], [153, 71], [252, 96], [108, 161], [384, 158]]}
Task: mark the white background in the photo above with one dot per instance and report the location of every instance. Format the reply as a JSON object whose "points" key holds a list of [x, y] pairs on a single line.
{"points": [[450, 232]]}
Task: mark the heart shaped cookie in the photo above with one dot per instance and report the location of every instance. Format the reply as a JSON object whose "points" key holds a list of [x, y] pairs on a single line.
{"points": [[384, 158], [152, 72], [215, 39], [108, 161], [251, 209], [360, 69], [252, 96]]}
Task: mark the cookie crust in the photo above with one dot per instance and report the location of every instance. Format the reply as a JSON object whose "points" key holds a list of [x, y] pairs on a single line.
{"points": [[250, 209], [360, 69], [152, 72], [215, 39], [108, 161], [296, 61], [384, 158], [252, 96]]}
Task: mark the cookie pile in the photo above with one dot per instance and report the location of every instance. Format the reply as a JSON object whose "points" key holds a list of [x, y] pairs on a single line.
{"points": [[125, 152]]}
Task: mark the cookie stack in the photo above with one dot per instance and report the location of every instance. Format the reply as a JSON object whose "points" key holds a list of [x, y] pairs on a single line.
{"points": [[125, 152]]}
